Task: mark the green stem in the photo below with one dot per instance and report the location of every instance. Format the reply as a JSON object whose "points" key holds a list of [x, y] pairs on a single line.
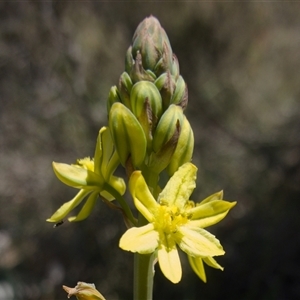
{"points": [[122, 202], [151, 179], [144, 263], [143, 272]]}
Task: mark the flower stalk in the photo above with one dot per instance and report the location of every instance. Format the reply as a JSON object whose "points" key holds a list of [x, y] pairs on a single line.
{"points": [[149, 136], [143, 271]]}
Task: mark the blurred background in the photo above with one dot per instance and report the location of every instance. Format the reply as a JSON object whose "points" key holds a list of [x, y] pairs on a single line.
{"points": [[58, 60]]}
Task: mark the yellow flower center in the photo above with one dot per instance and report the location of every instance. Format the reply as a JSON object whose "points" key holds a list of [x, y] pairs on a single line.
{"points": [[169, 218], [86, 163]]}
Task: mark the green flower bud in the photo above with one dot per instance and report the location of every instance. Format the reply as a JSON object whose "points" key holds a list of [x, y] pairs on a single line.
{"points": [[142, 90], [113, 97], [167, 126], [146, 105], [184, 149], [175, 67], [125, 85], [158, 161], [138, 73], [166, 85], [180, 96], [129, 61], [151, 41], [166, 138], [128, 135]]}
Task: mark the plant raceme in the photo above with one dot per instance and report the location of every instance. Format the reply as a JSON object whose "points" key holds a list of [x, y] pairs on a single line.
{"points": [[149, 135]]}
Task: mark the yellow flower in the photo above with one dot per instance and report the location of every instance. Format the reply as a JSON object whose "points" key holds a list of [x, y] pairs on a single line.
{"points": [[90, 176], [174, 220]]}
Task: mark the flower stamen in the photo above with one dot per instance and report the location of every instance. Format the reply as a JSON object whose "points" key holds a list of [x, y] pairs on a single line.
{"points": [[168, 219]]}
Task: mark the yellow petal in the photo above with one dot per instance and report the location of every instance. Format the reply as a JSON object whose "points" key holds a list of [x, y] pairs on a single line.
{"points": [[168, 259], [210, 213], [110, 163], [197, 266], [142, 197], [179, 187], [98, 158], [215, 196], [86, 209], [77, 177], [140, 239], [118, 184], [198, 242], [212, 263], [106, 158], [68, 206]]}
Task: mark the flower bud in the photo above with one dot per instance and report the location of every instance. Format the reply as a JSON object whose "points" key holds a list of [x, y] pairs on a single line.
{"points": [[184, 149], [180, 96], [113, 97], [138, 73], [146, 105], [128, 135], [167, 126], [151, 41], [125, 85], [165, 138], [175, 67], [166, 85], [158, 161], [142, 90], [129, 61]]}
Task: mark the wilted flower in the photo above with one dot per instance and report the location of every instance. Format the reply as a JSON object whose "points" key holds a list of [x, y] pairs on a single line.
{"points": [[84, 291]]}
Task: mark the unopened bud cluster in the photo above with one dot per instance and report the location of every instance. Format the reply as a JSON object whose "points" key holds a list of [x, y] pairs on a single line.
{"points": [[146, 118]]}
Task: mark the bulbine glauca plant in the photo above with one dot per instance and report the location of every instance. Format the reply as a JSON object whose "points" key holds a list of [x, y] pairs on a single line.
{"points": [[148, 134]]}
